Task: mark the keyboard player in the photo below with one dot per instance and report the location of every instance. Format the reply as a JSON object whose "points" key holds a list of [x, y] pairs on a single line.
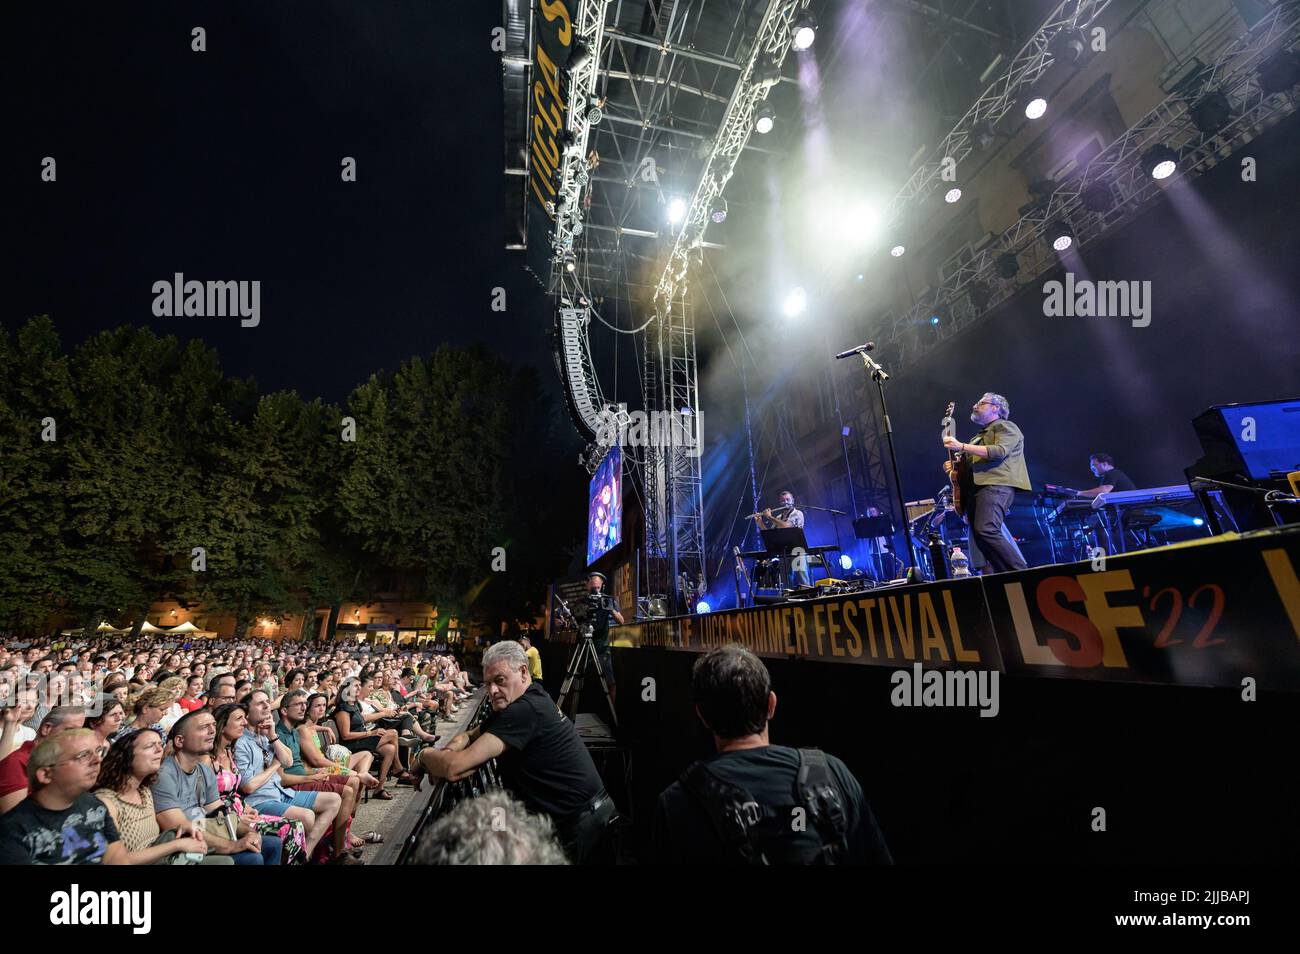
{"points": [[1109, 477]]}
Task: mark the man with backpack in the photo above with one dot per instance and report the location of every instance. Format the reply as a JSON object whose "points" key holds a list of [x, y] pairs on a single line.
{"points": [[753, 802]]}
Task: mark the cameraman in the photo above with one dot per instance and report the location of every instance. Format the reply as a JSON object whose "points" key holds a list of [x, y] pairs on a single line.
{"points": [[600, 607]]}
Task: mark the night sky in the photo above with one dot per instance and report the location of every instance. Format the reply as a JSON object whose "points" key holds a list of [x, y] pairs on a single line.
{"points": [[225, 165]]}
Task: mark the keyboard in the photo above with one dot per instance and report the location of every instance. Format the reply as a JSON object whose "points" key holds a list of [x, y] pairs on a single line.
{"points": [[1146, 495]]}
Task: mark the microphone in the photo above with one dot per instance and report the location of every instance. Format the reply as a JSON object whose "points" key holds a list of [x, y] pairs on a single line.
{"points": [[870, 345]]}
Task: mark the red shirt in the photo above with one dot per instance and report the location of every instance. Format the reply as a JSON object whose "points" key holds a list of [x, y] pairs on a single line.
{"points": [[13, 769], [190, 705]]}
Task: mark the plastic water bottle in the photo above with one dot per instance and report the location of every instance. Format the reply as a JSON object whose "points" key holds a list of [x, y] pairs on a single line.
{"points": [[960, 563]]}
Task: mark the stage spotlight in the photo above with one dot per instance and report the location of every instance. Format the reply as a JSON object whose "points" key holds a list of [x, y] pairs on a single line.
{"points": [[578, 56], [795, 303], [980, 295], [846, 562], [676, 210], [1160, 161], [767, 74], [1035, 104], [1097, 196], [703, 607], [764, 118], [1212, 113], [861, 276], [952, 195], [897, 251], [1198, 522], [719, 213], [570, 263], [804, 31], [981, 134], [1060, 235], [1279, 72], [938, 315], [1007, 265], [1067, 46]]}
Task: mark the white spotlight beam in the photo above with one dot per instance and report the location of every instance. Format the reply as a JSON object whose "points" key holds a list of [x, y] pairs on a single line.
{"points": [[1029, 64], [773, 41], [1119, 166]]}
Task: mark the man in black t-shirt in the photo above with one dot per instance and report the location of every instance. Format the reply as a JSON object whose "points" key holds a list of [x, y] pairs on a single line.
{"points": [[734, 699], [539, 753], [60, 822], [1109, 477]]}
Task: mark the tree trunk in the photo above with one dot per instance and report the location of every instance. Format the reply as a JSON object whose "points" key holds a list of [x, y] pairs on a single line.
{"points": [[308, 632], [333, 623], [140, 619]]}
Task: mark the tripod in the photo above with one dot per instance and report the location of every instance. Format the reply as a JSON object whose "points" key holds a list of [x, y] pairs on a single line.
{"points": [[584, 656]]}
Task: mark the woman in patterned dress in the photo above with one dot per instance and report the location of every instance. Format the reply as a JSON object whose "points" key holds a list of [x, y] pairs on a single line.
{"points": [[232, 720]]}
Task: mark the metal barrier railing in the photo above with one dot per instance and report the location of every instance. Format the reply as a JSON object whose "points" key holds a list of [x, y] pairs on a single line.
{"points": [[447, 795]]}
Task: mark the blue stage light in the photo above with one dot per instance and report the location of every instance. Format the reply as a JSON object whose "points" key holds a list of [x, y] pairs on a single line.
{"points": [[1197, 522], [702, 607], [846, 562], [934, 319]]}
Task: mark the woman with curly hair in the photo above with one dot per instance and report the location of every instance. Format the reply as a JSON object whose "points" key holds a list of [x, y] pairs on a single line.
{"points": [[232, 720], [125, 786]]}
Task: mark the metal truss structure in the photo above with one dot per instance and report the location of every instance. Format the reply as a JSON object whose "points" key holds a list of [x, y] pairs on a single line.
{"points": [[675, 507], [1035, 58], [1115, 176]]}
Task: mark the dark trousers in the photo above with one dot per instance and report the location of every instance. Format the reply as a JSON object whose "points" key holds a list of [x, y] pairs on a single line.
{"points": [[991, 505], [586, 836]]}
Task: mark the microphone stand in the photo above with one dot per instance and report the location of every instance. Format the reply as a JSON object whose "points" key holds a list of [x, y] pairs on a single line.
{"points": [[878, 375]]}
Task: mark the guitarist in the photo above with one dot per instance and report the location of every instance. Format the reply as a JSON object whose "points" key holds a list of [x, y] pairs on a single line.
{"points": [[996, 458]]}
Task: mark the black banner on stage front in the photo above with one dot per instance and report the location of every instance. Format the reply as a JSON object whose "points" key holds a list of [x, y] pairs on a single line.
{"points": [[1211, 613], [548, 111], [943, 626]]}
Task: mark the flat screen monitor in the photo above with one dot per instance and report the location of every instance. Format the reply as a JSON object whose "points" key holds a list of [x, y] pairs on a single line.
{"points": [[605, 506]]}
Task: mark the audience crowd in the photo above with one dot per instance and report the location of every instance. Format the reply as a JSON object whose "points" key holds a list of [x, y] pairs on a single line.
{"points": [[207, 752]]}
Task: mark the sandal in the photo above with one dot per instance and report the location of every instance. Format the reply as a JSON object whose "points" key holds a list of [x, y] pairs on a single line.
{"points": [[372, 838], [382, 795]]}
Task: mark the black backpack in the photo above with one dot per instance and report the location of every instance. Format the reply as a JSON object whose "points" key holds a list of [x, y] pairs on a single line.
{"points": [[760, 834]]}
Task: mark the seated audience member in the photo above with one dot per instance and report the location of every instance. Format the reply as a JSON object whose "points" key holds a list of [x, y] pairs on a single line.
{"points": [[260, 783], [193, 698], [221, 690], [149, 707], [350, 721], [109, 721], [125, 786], [60, 822], [297, 775], [492, 829], [734, 699], [391, 714], [186, 791], [13, 770], [232, 721], [16, 734], [317, 738], [119, 688], [176, 686]]}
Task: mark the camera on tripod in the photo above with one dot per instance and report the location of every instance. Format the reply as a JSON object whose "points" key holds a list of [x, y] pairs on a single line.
{"points": [[597, 602]]}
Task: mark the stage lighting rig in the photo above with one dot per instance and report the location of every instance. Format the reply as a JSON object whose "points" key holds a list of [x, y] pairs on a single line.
{"points": [[764, 118], [1060, 235], [803, 32], [1159, 162]]}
